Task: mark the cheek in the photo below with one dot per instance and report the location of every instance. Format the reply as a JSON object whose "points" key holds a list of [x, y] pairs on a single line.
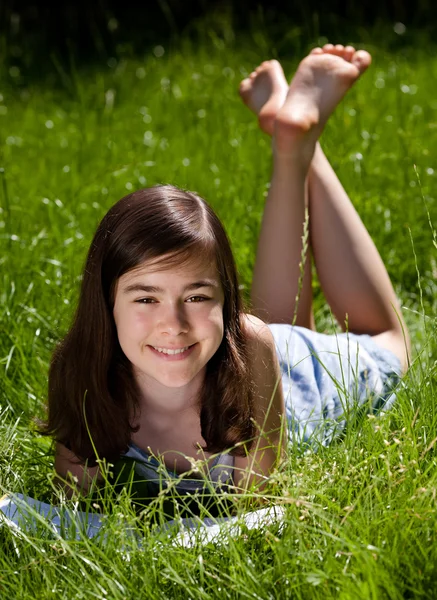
{"points": [[138, 318], [215, 319], [130, 323]]}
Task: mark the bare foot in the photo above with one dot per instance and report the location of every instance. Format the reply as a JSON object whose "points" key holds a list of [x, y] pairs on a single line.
{"points": [[264, 92], [320, 82]]}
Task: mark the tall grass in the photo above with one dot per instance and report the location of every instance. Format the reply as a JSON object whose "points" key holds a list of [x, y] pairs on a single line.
{"points": [[361, 514]]}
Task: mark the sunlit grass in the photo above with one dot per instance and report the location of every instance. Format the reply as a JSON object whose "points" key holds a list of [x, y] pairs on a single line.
{"points": [[361, 515]]}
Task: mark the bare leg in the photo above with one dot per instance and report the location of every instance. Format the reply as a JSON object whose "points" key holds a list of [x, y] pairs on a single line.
{"points": [[352, 275], [279, 268], [351, 272], [279, 265]]}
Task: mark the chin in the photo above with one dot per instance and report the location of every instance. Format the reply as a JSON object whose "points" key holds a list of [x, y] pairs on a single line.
{"points": [[174, 381], [175, 384]]}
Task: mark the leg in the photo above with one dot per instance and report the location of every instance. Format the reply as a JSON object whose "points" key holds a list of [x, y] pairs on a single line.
{"points": [[281, 274], [320, 82], [351, 272], [281, 287]]}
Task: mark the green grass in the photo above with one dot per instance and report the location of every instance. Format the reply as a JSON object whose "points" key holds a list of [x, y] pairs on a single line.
{"points": [[361, 515]]}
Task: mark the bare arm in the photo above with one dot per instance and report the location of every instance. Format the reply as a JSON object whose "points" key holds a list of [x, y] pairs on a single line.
{"points": [[269, 412], [74, 475]]}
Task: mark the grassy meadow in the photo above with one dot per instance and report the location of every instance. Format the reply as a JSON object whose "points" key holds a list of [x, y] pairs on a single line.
{"points": [[361, 515]]}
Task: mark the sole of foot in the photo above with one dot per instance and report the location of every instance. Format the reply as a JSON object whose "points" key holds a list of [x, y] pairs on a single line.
{"points": [[321, 81], [264, 92]]}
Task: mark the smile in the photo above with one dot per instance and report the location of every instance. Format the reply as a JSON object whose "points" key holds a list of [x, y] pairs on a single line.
{"points": [[173, 354], [170, 350]]}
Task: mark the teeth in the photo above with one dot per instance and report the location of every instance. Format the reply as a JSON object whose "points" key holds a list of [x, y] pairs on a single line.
{"points": [[169, 351]]}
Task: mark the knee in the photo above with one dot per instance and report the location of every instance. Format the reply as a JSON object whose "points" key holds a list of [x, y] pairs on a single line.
{"points": [[398, 342]]}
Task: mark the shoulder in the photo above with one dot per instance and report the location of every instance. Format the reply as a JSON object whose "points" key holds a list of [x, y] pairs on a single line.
{"points": [[257, 333], [261, 348]]}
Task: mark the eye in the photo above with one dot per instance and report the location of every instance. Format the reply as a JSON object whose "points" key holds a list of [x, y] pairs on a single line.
{"points": [[145, 301], [198, 299]]}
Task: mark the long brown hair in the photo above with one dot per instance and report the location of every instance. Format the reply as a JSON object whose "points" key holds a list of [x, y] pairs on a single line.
{"points": [[92, 394]]}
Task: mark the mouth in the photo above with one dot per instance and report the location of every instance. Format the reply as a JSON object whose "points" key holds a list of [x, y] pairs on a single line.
{"points": [[172, 353]]}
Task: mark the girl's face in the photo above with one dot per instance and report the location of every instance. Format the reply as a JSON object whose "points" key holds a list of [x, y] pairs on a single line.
{"points": [[169, 321]]}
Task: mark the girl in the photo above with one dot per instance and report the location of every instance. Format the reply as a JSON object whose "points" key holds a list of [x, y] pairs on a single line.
{"points": [[161, 361]]}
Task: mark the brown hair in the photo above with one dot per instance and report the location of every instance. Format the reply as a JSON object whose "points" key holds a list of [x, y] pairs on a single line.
{"points": [[92, 394]]}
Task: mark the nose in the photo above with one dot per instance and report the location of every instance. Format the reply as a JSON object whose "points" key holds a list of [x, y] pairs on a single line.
{"points": [[173, 320]]}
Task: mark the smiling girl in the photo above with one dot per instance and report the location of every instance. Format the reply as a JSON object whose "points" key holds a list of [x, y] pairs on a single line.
{"points": [[161, 361]]}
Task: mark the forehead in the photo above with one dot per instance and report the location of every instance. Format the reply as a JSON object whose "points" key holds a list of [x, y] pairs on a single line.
{"points": [[187, 268]]}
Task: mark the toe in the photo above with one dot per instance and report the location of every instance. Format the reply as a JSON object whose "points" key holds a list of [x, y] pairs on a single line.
{"points": [[317, 50], [361, 59], [245, 85], [338, 49], [329, 48], [349, 51]]}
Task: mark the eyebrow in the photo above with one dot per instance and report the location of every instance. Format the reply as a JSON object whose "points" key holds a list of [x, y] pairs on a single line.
{"points": [[151, 289]]}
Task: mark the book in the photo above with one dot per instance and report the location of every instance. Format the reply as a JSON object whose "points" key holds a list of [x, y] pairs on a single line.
{"points": [[24, 514]]}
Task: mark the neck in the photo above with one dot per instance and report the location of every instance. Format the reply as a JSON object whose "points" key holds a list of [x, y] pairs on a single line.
{"points": [[167, 401]]}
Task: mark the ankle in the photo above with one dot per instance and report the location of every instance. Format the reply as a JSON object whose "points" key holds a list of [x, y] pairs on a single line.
{"points": [[292, 141], [295, 161], [290, 170]]}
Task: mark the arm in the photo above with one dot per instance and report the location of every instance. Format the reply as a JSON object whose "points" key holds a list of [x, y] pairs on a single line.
{"points": [[73, 475], [269, 412]]}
